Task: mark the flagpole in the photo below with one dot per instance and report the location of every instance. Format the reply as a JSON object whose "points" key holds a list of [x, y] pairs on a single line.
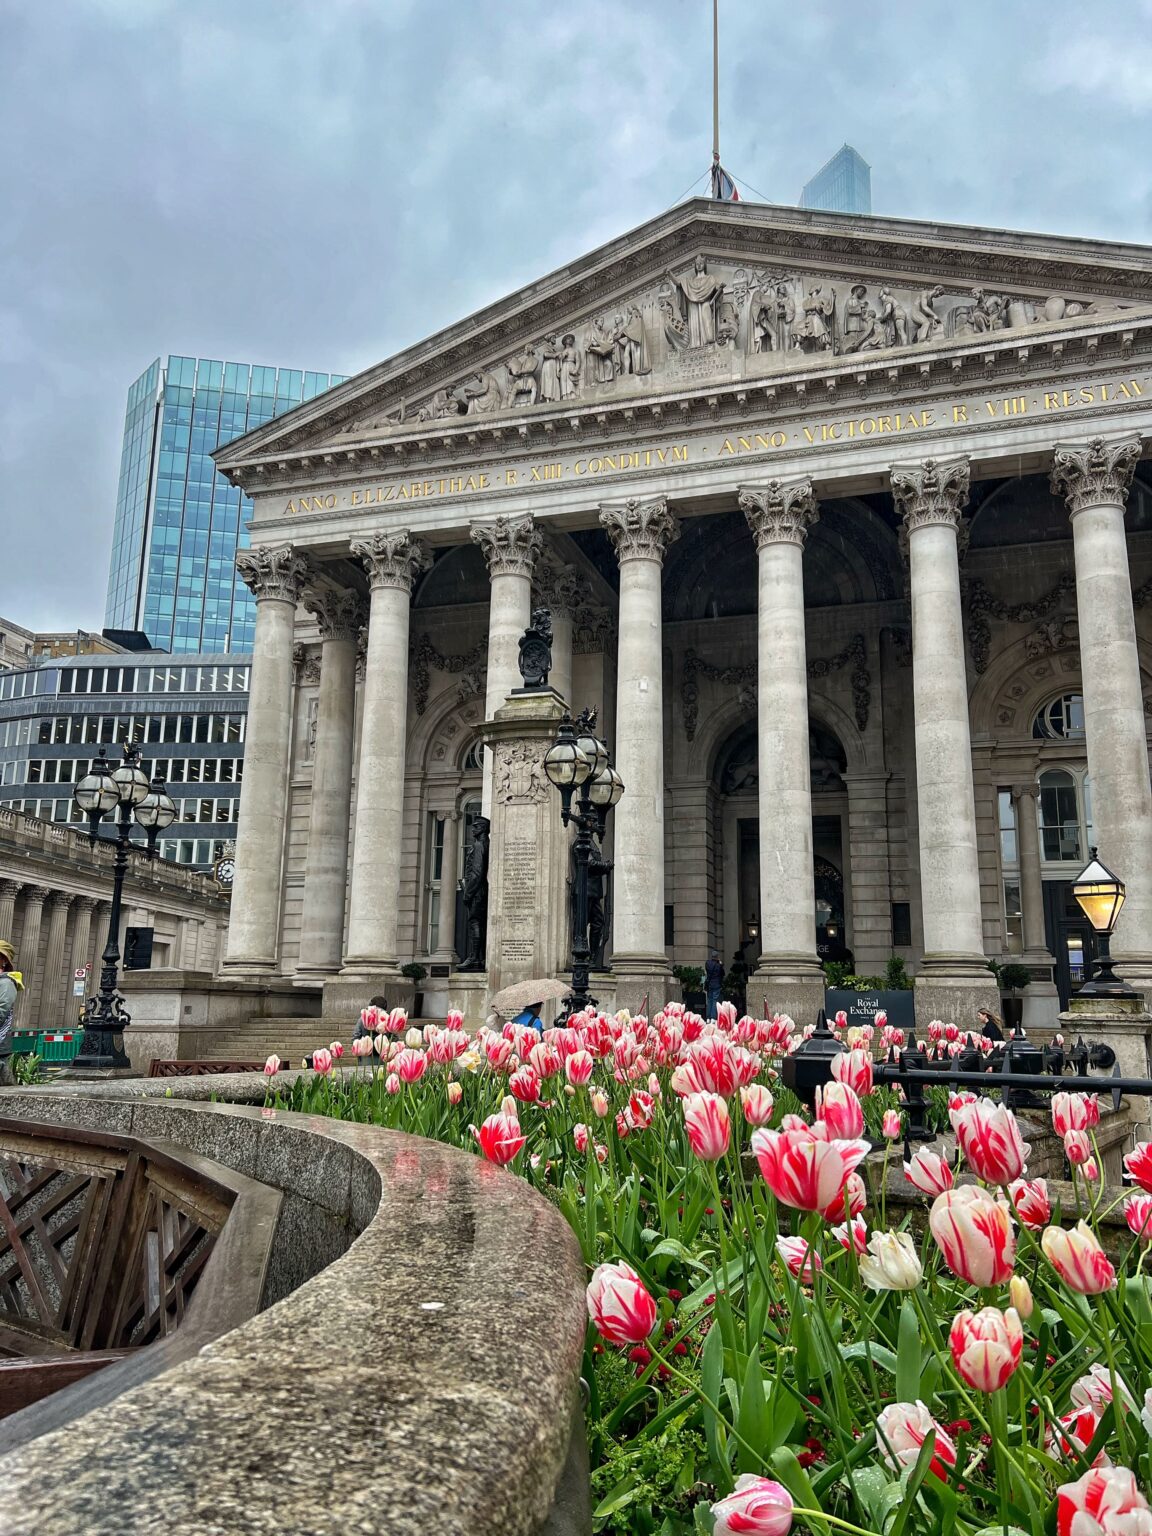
{"points": [[716, 80]]}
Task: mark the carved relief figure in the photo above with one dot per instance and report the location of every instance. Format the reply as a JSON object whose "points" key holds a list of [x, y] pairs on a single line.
{"points": [[602, 350], [631, 343], [481, 394], [925, 321], [571, 363], [893, 320], [816, 333], [700, 296], [522, 386], [550, 369], [444, 403], [861, 330]]}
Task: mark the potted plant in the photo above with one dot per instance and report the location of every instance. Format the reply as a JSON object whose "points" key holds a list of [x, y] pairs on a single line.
{"points": [[1013, 978], [691, 979], [415, 973]]}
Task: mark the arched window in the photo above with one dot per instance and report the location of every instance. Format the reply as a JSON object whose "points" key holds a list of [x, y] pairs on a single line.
{"points": [[1060, 824], [472, 758], [1061, 719]]}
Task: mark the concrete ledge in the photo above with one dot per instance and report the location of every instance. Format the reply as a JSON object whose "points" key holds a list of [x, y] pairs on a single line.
{"points": [[419, 1373]]}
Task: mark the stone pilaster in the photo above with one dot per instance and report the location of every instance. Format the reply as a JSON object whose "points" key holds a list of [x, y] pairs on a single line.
{"points": [[28, 957], [953, 979], [640, 533], [50, 1014], [779, 516], [870, 863], [511, 546], [449, 874], [9, 890], [391, 561], [275, 576], [1041, 990], [1094, 478], [81, 945], [340, 615]]}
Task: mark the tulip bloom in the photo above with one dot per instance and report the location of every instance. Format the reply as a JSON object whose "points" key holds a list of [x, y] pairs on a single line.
{"points": [[840, 1110], [807, 1174], [850, 1201], [454, 1091], [986, 1346], [1138, 1215], [890, 1125], [1139, 1164], [989, 1137], [709, 1127], [1074, 1112], [901, 1430], [929, 1173], [1020, 1294], [336, 1048], [974, 1233], [758, 1507], [854, 1070], [620, 1306], [272, 1066], [524, 1085], [580, 1138], [800, 1261], [1106, 1501], [1078, 1259], [599, 1102], [757, 1103], [1072, 1433], [322, 1061], [1094, 1390], [1077, 1147], [852, 1234], [391, 1083], [1031, 1202], [578, 1068], [500, 1137], [891, 1263], [410, 1065], [362, 1046]]}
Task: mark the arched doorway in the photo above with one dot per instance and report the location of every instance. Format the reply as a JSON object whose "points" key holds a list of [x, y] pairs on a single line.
{"points": [[736, 780]]}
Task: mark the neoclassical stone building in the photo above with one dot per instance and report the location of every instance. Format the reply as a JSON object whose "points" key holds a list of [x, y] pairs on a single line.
{"points": [[845, 531]]}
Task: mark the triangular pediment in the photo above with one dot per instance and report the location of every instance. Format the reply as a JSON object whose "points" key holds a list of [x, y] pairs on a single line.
{"points": [[720, 295]]}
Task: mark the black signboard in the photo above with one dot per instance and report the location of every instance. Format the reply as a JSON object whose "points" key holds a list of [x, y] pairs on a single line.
{"points": [[862, 1007], [138, 949]]}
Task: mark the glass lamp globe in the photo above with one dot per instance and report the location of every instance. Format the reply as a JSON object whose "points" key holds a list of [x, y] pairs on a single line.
{"points": [[96, 794], [600, 789], [1099, 893], [566, 764], [157, 808], [131, 782], [594, 750]]}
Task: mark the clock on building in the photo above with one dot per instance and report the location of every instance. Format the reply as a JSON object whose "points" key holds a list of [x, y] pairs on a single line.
{"points": [[225, 872]]}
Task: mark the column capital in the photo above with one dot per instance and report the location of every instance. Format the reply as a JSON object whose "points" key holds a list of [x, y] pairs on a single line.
{"points": [[1095, 473], [391, 559], [37, 894], [62, 898], [338, 611], [640, 530], [11, 887], [934, 492], [510, 545], [779, 512], [275, 573], [1025, 791], [87, 903]]}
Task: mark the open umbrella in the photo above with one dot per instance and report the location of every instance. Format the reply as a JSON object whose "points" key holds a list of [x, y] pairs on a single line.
{"points": [[522, 994]]}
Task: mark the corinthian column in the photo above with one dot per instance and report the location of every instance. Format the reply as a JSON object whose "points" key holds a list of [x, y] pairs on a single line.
{"points": [[391, 560], [779, 516], [49, 1014], [340, 615], [511, 547], [28, 956], [275, 577], [9, 890], [640, 534], [1095, 479], [953, 977]]}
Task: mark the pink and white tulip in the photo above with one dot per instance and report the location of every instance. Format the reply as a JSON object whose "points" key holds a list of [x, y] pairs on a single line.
{"points": [[757, 1103], [840, 1109], [1074, 1112], [800, 1260], [1078, 1259], [929, 1172], [757, 1507], [974, 1233], [500, 1137], [1030, 1200], [1106, 1501], [989, 1137], [901, 1430], [620, 1305], [807, 1174], [708, 1124], [986, 1346], [854, 1070]]}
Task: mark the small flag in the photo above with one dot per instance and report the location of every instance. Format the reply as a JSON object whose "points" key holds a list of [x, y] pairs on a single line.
{"points": [[723, 187]]}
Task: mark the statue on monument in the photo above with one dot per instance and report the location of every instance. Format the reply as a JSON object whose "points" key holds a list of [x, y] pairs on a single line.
{"points": [[700, 298], [475, 890], [571, 363], [602, 350], [599, 868], [522, 386], [536, 650], [550, 369], [817, 331], [925, 321], [631, 343]]}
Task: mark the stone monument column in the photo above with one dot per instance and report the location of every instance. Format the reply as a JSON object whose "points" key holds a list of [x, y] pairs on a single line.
{"points": [[788, 971], [275, 576], [640, 534], [50, 1014], [1095, 479], [511, 547], [449, 875], [953, 980], [340, 614], [1041, 990], [28, 957], [391, 560]]}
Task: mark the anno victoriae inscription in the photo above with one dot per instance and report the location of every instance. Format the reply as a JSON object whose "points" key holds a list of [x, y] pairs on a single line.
{"points": [[763, 439]]}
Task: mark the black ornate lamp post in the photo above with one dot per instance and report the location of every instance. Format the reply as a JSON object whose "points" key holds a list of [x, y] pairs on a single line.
{"points": [[579, 760], [128, 790], [1100, 895]]}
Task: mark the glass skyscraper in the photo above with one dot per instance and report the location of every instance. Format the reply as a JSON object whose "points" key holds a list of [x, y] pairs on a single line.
{"points": [[179, 522], [844, 185]]}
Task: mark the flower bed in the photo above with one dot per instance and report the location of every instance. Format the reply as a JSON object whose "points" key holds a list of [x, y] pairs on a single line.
{"points": [[766, 1349]]}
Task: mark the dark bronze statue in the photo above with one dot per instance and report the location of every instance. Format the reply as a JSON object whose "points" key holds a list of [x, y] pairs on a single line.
{"points": [[536, 650], [475, 889]]}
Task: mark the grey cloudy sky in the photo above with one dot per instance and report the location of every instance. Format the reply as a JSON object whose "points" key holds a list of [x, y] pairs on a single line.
{"points": [[317, 183]]}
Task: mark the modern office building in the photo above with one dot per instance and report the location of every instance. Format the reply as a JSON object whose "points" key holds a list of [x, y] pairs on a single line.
{"points": [[844, 185], [187, 712], [178, 523]]}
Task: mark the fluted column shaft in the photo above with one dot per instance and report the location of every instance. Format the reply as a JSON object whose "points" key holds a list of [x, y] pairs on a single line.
{"points": [[640, 533], [9, 890], [275, 576], [779, 516], [511, 547], [1095, 479], [931, 498], [326, 868], [449, 874], [391, 560], [49, 1014], [81, 936], [28, 956]]}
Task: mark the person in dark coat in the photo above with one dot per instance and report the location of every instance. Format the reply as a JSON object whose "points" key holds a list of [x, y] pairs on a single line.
{"points": [[713, 982]]}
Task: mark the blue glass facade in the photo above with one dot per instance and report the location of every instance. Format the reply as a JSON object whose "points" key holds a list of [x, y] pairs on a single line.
{"points": [[844, 185], [179, 522]]}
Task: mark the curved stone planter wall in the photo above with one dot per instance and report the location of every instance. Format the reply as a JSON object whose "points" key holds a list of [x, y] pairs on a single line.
{"points": [[418, 1370]]}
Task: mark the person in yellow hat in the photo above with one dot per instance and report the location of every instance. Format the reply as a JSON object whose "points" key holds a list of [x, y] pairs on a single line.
{"points": [[11, 981]]}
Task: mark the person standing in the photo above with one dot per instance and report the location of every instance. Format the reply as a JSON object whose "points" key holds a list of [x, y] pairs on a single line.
{"points": [[713, 982], [10, 983]]}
